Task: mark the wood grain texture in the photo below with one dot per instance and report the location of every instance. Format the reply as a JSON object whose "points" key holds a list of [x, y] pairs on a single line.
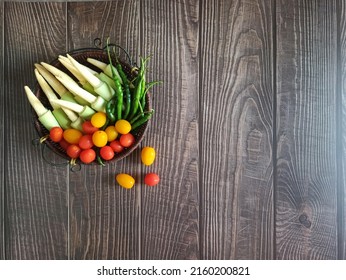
{"points": [[306, 125], [170, 224], [2, 135], [249, 129], [104, 218], [36, 201], [341, 121], [236, 130]]}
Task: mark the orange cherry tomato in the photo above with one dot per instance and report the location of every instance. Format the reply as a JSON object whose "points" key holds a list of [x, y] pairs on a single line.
{"points": [[148, 155], [125, 180], [98, 119], [111, 133], [123, 126], [100, 138], [72, 135]]}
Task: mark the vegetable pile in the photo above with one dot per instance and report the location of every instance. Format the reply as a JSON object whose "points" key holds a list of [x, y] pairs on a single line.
{"points": [[97, 111]]}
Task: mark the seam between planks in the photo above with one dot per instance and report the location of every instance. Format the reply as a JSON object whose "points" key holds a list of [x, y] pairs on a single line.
{"points": [[200, 131], [274, 122], [68, 171], [338, 119], [140, 193], [2, 218]]}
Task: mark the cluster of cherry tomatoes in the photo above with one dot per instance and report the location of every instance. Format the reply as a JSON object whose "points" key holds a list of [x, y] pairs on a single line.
{"points": [[148, 155], [113, 139]]}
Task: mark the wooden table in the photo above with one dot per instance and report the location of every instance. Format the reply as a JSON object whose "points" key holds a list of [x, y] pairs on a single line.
{"points": [[249, 128]]}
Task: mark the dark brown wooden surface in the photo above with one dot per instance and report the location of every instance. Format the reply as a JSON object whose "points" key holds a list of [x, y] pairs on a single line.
{"points": [[249, 128], [341, 128], [104, 219], [2, 148], [236, 130], [36, 212], [306, 189]]}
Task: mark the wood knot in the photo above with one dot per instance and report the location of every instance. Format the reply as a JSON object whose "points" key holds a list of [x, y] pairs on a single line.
{"points": [[303, 219]]}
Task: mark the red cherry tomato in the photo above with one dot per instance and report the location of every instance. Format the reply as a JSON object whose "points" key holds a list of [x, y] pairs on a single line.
{"points": [[106, 152], [56, 134], [151, 179], [64, 144], [86, 142], [126, 140], [87, 156], [88, 128], [73, 151], [115, 145]]}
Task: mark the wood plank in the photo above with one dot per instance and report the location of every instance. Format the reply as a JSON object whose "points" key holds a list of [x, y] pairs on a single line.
{"points": [[170, 224], [306, 225], [341, 123], [236, 129], [36, 197], [2, 135], [104, 218]]}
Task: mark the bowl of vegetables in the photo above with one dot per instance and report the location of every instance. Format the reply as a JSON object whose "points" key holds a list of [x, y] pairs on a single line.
{"points": [[90, 106]]}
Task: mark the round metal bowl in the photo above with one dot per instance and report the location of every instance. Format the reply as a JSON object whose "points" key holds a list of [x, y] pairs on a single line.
{"points": [[81, 56]]}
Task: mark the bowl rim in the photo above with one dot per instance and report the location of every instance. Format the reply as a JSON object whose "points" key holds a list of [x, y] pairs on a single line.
{"points": [[43, 132]]}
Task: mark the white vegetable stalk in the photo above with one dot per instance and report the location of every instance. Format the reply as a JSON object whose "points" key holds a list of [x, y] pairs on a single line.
{"points": [[45, 116], [46, 88], [84, 112], [99, 64], [103, 77], [58, 113], [54, 83], [85, 84], [70, 114], [98, 103], [106, 68], [67, 61], [100, 87], [58, 73], [76, 121]]}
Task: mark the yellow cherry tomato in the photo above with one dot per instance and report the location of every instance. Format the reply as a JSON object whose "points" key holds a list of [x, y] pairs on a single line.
{"points": [[112, 134], [148, 155], [99, 138], [125, 180], [72, 135], [98, 119], [123, 126]]}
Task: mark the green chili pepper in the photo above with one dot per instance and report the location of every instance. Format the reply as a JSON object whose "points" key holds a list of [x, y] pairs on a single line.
{"points": [[136, 100], [135, 118], [110, 110], [118, 88], [140, 90], [100, 161], [105, 125], [142, 120], [127, 90], [119, 92]]}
